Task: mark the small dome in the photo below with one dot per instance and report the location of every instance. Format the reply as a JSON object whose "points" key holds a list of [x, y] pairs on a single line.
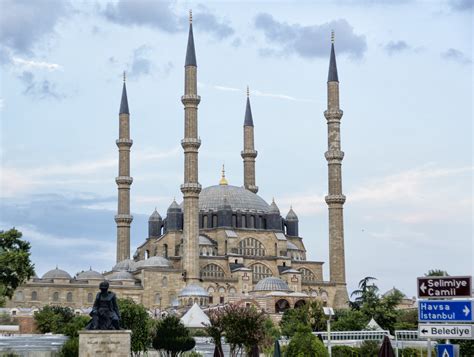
{"points": [[120, 275], [291, 246], [155, 261], [274, 208], [193, 290], [56, 274], [174, 206], [291, 216], [155, 216], [89, 275], [271, 284], [203, 240], [124, 265]]}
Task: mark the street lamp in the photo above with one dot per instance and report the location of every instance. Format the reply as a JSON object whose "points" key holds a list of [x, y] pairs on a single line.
{"points": [[329, 311]]}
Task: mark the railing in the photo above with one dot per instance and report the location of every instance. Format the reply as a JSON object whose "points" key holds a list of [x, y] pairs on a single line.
{"points": [[353, 335]]}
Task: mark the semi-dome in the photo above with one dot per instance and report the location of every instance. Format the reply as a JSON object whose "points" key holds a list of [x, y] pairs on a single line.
{"points": [[155, 261], [56, 274], [203, 240], [193, 290], [89, 275], [120, 275], [271, 284], [291, 246], [238, 198], [124, 265]]}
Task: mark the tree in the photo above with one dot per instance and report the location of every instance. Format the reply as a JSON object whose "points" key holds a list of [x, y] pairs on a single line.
{"points": [[53, 319], [304, 343], [349, 320], [437, 272], [15, 264], [172, 336], [310, 314], [215, 329], [135, 317]]}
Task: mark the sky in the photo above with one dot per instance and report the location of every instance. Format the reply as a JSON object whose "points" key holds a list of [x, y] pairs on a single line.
{"points": [[405, 72]]}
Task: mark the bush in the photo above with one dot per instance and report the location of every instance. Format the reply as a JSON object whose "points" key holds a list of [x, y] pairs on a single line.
{"points": [[70, 348], [172, 336], [53, 319], [199, 333], [134, 317], [369, 349], [304, 343], [345, 351]]}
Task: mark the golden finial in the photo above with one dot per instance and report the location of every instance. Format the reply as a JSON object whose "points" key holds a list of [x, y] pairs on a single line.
{"points": [[223, 180], [124, 76], [190, 16], [248, 91], [332, 36]]}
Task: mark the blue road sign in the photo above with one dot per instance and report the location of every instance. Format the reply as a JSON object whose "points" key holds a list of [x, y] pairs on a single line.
{"points": [[445, 351], [445, 310]]}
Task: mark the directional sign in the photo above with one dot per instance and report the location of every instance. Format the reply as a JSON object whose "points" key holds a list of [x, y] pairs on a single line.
{"points": [[444, 287], [445, 351], [451, 331], [445, 310]]}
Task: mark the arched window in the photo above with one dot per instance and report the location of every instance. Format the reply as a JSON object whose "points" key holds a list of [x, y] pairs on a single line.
{"points": [[164, 282], [55, 296], [19, 296], [204, 221], [251, 246], [252, 221], [234, 220], [90, 297], [69, 297], [260, 272], [244, 222], [165, 250], [214, 221], [34, 295], [147, 254], [157, 298], [212, 271], [307, 275]]}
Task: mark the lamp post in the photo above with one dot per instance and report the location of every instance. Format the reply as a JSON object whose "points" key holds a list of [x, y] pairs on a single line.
{"points": [[329, 312]]}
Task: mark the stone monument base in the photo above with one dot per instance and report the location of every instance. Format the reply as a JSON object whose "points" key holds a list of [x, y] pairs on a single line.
{"points": [[104, 343]]}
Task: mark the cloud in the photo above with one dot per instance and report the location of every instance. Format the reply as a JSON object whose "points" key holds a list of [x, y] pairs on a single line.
{"points": [[396, 46], [453, 54], [461, 5], [309, 41], [24, 23], [44, 89], [140, 64], [32, 64], [161, 16]]}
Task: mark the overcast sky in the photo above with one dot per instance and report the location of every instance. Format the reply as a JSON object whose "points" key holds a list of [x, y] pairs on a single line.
{"points": [[405, 71]]}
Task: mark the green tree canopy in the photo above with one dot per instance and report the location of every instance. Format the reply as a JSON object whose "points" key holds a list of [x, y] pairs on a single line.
{"points": [[53, 319], [310, 314], [15, 264], [172, 336], [134, 317], [437, 272], [304, 343]]}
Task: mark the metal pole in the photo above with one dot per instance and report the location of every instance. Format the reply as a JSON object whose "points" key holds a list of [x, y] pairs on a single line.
{"points": [[396, 344], [429, 347], [329, 336]]}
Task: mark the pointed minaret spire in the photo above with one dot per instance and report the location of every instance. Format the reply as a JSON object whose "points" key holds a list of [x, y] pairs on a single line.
{"points": [[190, 51], [332, 75], [223, 180], [124, 101], [249, 153]]}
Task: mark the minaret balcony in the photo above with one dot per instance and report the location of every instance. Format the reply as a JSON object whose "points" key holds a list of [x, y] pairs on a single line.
{"points": [[124, 219], [191, 99], [335, 199], [249, 153], [333, 115], [334, 156], [124, 142], [124, 180], [191, 143], [191, 188]]}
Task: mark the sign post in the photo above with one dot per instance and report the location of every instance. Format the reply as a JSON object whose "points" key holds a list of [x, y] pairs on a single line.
{"points": [[442, 287]]}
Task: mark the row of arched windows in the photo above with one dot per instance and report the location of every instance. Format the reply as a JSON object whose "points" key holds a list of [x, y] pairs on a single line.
{"points": [[251, 247], [307, 275], [210, 220], [212, 271], [260, 271], [20, 296]]}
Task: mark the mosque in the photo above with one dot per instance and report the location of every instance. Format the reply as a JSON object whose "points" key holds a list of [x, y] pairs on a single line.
{"points": [[222, 244]]}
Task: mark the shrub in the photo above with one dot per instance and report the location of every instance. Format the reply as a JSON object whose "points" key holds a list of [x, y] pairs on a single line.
{"points": [[304, 343], [172, 336], [345, 351], [369, 349], [70, 348]]}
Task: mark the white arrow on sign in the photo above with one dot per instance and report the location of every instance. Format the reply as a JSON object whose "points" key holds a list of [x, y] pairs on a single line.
{"points": [[446, 353], [466, 310], [423, 287]]}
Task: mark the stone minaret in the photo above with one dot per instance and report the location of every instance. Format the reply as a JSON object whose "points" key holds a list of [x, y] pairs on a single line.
{"points": [[335, 199], [249, 153], [124, 181], [191, 143]]}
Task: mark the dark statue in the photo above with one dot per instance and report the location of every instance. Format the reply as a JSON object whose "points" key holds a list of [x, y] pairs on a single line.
{"points": [[105, 312]]}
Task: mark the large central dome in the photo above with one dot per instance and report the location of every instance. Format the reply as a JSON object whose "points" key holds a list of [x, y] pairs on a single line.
{"points": [[238, 198]]}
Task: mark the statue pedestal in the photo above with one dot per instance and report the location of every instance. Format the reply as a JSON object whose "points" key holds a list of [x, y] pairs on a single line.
{"points": [[104, 343]]}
